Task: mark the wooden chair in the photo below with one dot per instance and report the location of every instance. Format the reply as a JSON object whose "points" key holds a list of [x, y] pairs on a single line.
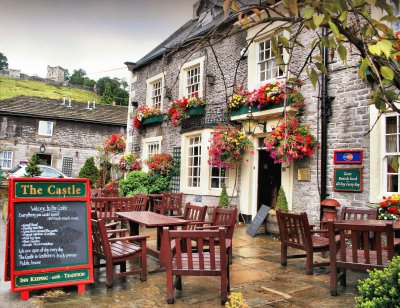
{"points": [[349, 213], [295, 232], [182, 261], [223, 217], [117, 251], [109, 192], [170, 202], [354, 257], [196, 214], [138, 203]]}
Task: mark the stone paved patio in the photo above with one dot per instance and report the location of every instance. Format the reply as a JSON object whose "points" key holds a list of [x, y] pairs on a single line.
{"points": [[256, 272]]}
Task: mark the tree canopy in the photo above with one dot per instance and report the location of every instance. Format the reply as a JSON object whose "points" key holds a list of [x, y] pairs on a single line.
{"points": [[79, 77], [3, 62]]}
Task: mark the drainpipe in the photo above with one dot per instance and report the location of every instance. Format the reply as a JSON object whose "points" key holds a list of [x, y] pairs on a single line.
{"points": [[325, 114]]}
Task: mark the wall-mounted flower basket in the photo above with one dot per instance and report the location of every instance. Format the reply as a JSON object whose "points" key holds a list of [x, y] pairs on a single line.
{"points": [[245, 109], [196, 111], [151, 120]]}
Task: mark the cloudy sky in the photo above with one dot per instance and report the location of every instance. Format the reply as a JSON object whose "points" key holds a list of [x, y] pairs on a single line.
{"points": [[96, 35]]}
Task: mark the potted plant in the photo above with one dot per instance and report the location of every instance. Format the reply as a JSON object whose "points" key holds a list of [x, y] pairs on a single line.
{"points": [[281, 204], [184, 108], [223, 200], [389, 207], [290, 140], [146, 115], [161, 164]]}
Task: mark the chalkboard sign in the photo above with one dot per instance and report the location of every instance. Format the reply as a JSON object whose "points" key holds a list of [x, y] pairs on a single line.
{"points": [[49, 235], [258, 220], [348, 180]]}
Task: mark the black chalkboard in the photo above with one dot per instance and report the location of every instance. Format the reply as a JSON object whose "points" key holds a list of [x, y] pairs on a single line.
{"points": [[52, 234], [258, 220]]}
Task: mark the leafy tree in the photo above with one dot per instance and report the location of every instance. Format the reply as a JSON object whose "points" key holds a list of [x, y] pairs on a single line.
{"points": [[112, 82], [89, 171], [66, 75], [120, 95], [107, 97], [3, 62], [32, 168], [78, 77]]}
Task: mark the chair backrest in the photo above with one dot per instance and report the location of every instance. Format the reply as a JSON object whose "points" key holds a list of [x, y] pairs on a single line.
{"points": [[294, 229], [95, 192], [191, 255], [195, 213], [137, 203], [349, 213], [106, 207], [172, 202], [100, 243], [366, 252], [109, 192], [225, 217]]}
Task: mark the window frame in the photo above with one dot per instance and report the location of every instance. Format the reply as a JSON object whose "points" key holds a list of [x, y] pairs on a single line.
{"points": [[271, 58], [386, 154], [146, 142], [219, 177], [150, 82], [192, 157], [183, 90], [40, 128], [2, 159]]}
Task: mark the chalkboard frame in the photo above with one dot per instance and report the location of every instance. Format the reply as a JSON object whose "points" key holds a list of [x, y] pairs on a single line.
{"points": [[85, 268], [258, 220]]}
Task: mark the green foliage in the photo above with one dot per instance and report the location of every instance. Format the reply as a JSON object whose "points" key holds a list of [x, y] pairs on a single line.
{"points": [[117, 86], [281, 202], [141, 182], [3, 62], [79, 77], [381, 288], [10, 88], [32, 168], [107, 97], [89, 171], [223, 200]]}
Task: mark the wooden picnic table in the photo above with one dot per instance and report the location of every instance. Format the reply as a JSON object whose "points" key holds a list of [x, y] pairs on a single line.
{"points": [[373, 222], [152, 220]]}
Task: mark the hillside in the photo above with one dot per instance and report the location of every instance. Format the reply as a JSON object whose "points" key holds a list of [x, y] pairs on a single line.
{"points": [[10, 88]]}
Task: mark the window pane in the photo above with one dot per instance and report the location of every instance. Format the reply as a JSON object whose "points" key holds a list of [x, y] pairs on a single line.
{"points": [[393, 164], [194, 161], [267, 63], [392, 183]]}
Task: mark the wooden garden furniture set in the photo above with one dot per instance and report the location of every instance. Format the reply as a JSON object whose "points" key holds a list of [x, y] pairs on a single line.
{"points": [[186, 244], [357, 241]]}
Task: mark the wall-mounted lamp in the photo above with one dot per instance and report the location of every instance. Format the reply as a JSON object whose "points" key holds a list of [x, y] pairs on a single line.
{"points": [[42, 148], [210, 79], [76, 153], [250, 123]]}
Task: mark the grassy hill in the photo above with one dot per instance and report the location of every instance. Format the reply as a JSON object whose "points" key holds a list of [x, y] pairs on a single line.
{"points": [[15, 87]]}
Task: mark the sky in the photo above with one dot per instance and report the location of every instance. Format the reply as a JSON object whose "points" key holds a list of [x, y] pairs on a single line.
{"points": [[95, 35]]}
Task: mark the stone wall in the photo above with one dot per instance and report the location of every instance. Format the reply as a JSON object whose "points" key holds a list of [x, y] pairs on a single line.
{"points": [[70, 139]]}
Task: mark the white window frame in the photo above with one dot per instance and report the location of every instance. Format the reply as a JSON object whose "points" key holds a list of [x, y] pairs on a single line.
{"points": [[146, 143], [205, 171], [7, 159], [385, 154], [191, 166], [219, 177], [395, 10], [270, 59], [43, 126], [149, 90], [183, 78]]}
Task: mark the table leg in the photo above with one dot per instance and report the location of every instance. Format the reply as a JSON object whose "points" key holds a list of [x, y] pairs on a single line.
{"points": [[133, 228]]}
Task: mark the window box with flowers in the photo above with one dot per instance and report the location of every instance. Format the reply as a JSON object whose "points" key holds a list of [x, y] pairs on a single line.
{"points": [[115, 144], [269, 96], [228, 146], [129, 162], [184, 108], [290, 140], [146, 115], [161, 164]]}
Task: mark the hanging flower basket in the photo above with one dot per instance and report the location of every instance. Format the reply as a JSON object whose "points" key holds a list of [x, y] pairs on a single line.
{"points": [[182, 109], [228, 146], [129, 162], [161, 164], [290, 140], [146, 115], [115, 143]]}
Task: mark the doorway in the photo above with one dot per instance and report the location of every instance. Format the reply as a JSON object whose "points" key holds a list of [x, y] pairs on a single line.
{"points": [[269, 180], [44, 159]]}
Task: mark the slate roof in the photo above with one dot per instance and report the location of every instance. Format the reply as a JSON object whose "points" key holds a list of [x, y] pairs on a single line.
{"points": [[189, 31], [53, 109]]}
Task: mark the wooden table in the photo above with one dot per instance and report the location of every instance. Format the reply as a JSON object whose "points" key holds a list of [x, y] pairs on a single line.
{"points": [[152, 220], [373, 222]]}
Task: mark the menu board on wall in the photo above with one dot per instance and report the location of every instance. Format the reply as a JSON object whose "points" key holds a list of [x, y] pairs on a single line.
{"points": [[348, 179]]}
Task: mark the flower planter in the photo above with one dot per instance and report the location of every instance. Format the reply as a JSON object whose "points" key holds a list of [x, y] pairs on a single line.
{"points": [[245, 109], [195, 111], [151, 120]]}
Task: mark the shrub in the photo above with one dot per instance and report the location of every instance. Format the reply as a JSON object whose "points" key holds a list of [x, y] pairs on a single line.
{"points": [[223, 200], [381, 288], [136, 182], [32, 168], [90, 171], [159, 183], [281, 202]]}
